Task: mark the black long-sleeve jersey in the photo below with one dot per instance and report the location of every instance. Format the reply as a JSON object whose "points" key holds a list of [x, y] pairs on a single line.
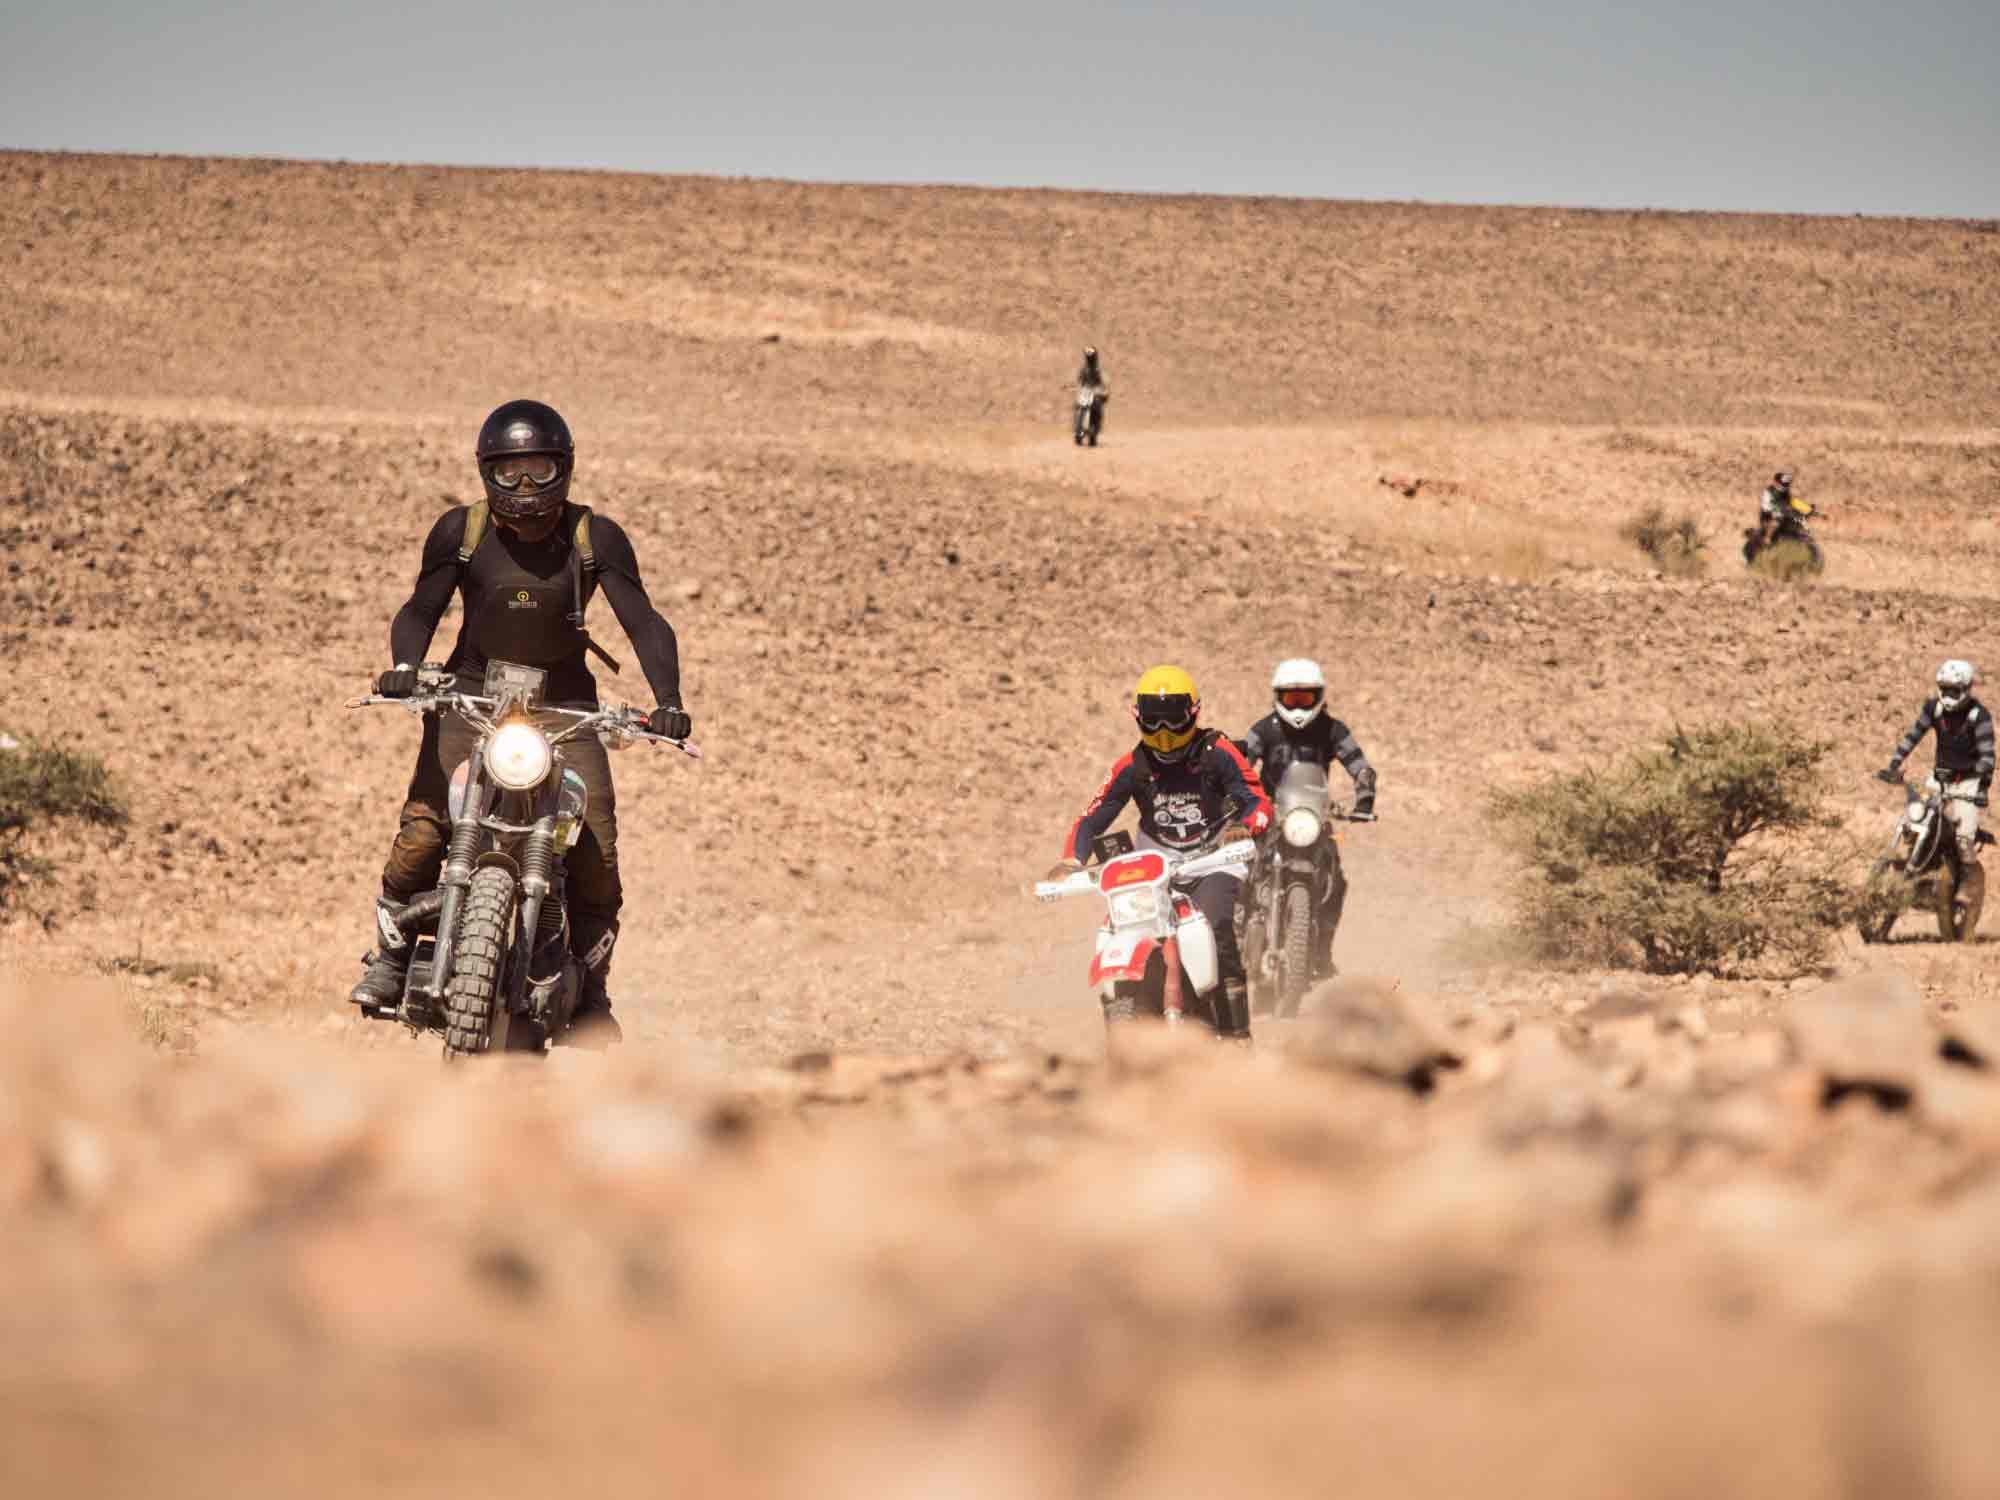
{"points": [[1272, 744], [518, 596], [1180, 802], [1964, 738]]}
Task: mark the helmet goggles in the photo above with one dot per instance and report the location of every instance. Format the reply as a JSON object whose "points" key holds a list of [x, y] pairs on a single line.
{"points": [[1301, 697], [1166, 720], [524, 472]]}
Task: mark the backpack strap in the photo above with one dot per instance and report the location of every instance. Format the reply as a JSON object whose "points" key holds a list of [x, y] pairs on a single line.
{"points": [[475, 530], [583, 582], [582, 565]]}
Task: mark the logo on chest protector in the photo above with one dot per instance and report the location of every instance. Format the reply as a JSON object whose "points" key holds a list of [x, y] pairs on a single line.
{"points": [[1179, 818], [523, 600]]}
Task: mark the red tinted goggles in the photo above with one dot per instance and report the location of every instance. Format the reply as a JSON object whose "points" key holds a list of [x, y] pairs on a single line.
{"points": [[1301, 697]]}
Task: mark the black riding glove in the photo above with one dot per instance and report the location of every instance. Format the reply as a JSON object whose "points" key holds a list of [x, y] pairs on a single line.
{"points": [[397, 682], [671, 721], [1888, 774]]}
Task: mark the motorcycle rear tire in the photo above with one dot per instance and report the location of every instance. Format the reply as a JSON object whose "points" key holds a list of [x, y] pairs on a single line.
{"points": [[485, 933], [1295, 961]]}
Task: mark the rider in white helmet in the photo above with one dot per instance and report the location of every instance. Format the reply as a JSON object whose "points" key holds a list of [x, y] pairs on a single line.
{"points": [[1298, 727], [1964, 751]]}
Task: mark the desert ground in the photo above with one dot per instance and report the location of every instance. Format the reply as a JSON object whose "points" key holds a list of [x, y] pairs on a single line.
{"points": [[858, 1208]]}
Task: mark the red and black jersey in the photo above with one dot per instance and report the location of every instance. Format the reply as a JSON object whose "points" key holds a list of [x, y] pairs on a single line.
{"points": [[1180, 802]]}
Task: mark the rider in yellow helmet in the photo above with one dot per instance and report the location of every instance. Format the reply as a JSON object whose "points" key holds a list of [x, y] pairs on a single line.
{"points": [[1189, 782]]}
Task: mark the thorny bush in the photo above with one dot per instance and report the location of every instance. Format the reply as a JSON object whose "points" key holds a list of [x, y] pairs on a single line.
{"points": [[1704, 856], [41, 782]]}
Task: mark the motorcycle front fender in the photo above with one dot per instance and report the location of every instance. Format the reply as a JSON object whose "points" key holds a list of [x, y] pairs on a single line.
{"points": [[1121, 956], [1196, 940]]}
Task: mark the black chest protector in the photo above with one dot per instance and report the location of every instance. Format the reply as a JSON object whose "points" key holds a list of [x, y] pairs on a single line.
{"points": [[1313, 745], [1958, 739], [524, 602], [1180, 801]]}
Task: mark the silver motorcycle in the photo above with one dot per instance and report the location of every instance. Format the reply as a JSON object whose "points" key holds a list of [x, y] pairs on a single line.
{"points": [[1297, 892]]}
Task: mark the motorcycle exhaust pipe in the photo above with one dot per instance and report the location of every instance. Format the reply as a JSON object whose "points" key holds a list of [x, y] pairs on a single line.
{"points": [[420, 911]]}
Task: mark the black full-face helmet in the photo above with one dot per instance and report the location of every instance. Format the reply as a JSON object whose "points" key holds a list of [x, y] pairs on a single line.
{"points": [[526, 457]]}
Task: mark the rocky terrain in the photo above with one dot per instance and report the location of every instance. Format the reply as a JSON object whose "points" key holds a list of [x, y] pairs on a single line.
{"points": [[859, 1208]]}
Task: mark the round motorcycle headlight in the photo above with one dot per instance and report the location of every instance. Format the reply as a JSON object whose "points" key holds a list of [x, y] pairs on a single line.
{"points": [[518, 756], [1301, 827], [1141, 905]]}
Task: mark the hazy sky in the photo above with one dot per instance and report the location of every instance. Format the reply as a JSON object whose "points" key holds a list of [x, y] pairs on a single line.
{"points": [[1753, 104]]}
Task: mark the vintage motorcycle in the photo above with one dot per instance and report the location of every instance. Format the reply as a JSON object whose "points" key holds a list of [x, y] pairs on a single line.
{"points": [[1155, 953], [1790, 532], [1299, 885], [1921, 867], [491, 968], [1089, 419]]}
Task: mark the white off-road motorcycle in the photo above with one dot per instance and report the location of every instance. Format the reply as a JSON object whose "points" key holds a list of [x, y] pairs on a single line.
{"points": [[1089, 422], [1921, 867], [1155, 954]]}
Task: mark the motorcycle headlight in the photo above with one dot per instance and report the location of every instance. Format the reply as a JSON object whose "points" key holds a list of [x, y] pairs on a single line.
{"points": [[1301, 827], [518, 756], [1141, 905]]}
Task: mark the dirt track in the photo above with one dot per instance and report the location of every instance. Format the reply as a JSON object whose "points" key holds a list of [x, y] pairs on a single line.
{"points": [[1625, 1247]]}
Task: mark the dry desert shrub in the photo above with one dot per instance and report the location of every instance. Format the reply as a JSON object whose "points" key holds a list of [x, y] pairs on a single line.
{"points": [[1675, 544], [40, 783], [1703, 856]]}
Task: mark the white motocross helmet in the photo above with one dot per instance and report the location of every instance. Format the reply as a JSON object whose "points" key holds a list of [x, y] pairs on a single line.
{"points": [[1954, 685], [1298, 691]]}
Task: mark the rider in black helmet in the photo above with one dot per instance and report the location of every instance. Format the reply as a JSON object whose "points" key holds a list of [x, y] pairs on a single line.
{"points": [[525, 581], [1090, 376]]}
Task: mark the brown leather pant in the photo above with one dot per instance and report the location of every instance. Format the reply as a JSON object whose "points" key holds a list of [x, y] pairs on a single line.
{"points": [[416, 859]]}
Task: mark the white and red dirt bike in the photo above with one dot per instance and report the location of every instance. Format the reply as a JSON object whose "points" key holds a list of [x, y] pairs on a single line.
{"points": [[1155, 953]]}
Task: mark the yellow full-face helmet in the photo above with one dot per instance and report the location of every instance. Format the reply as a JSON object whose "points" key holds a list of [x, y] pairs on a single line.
{"points": [[1167, 707]]}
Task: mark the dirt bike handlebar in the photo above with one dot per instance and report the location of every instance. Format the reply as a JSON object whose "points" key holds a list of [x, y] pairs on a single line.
{"points": [[624, 723], [1903, 784]]}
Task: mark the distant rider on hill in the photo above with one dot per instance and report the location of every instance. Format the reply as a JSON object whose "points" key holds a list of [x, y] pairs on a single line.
{"points": [[1774, 507], [1964, 752], [1188, 782], [1298, 728], [1091, 377], [524, 581]]}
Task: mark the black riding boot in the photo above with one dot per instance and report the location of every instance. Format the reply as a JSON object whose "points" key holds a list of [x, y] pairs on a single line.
{"points": [[381, 986], [591, 1024], [1329, 924], [1232, 1011]]}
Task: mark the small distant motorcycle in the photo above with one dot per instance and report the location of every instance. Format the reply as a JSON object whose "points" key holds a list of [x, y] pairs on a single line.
{"points": [[490, 965], [1089, 419], [1790, 532], [1155, 954], [1921, 868], [1299, 885]]}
